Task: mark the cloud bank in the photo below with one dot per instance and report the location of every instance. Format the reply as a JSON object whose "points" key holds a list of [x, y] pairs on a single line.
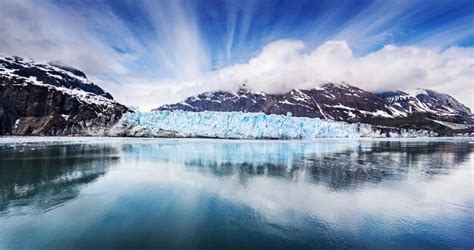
{"points": [[286, 64]]}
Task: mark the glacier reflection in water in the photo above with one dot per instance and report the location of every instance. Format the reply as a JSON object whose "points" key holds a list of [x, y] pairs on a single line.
{"points": [[179, 193]]}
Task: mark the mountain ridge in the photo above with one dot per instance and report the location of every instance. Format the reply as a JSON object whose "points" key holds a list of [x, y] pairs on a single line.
{"points": [[422, 108]]}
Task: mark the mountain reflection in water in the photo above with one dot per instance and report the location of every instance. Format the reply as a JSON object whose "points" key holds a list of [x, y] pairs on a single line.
{"points": [[46, 177], [224, 194], [335, 164]]}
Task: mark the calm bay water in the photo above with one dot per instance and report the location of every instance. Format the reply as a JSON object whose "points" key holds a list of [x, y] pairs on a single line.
{"points": [[218, 194]]}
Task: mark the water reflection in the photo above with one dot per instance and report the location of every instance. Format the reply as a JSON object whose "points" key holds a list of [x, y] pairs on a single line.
{"points": [[335, 163], [390, 160], [45, 177], [185, 194]]}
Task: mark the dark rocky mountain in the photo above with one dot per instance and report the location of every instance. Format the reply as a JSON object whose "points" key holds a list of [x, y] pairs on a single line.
{"points": [[442, 106], [52, 99], [423, 109]]}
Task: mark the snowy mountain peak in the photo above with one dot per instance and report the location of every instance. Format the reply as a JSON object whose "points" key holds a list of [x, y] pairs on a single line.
{"points": [[68, 68], [415, 92], [53, 74], [52, 99], [425, 101], [340, 102]]}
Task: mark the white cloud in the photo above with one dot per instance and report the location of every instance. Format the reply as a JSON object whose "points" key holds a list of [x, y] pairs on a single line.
{"points": [[285, 64], [179, 47], [45, 33]]}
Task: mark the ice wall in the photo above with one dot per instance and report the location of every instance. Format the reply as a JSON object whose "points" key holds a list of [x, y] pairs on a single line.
{"points": [[240, 126]]}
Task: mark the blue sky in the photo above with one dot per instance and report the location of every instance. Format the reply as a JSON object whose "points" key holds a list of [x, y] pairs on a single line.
{"points": [[123, 42], [232, 31]]}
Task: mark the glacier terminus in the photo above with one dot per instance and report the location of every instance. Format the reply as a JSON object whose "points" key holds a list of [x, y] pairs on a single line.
{"points": [[239, 125]]}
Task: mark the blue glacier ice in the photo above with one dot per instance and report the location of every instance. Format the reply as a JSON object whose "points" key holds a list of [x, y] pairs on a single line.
{"points": [[239, 125]]}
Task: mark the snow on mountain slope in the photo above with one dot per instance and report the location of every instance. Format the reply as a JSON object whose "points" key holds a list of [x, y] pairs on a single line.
{"points": [[429, 102], [51, 99], [331, 101], [55, 74], [342, 102], [240, 125]]}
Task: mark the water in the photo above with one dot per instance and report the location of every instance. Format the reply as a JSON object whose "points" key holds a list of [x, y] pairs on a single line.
{"points": [[63, 193]]}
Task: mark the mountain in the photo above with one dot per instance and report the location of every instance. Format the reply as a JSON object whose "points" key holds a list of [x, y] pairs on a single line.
{"points": [[52, 99], [415, 109], [57, 99], [426, 101]]}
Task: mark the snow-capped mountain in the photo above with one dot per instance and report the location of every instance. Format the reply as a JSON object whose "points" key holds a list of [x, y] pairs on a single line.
{"points": [[341, 102], [52, 99], [427, 101], [331, 101], [56, 99]]}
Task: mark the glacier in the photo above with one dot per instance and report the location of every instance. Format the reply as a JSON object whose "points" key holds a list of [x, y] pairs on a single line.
{"points": [[238, 125]]}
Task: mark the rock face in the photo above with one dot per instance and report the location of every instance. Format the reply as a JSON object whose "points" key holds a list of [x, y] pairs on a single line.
{"points": [[334, 102], [417, 109], [52, 99], [424, 101]]}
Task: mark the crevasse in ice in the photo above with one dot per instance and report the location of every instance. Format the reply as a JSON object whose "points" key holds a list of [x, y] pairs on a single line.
{"points": [[237, 125]]}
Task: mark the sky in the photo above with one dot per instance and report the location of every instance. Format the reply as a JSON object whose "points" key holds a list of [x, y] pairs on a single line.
{"points": [[150, 52]]}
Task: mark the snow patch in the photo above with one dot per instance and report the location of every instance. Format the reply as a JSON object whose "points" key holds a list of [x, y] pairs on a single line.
{"points": [[450, 125]]}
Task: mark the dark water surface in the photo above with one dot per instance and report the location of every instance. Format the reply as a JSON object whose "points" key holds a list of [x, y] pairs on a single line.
{"points": [[219, 194]]}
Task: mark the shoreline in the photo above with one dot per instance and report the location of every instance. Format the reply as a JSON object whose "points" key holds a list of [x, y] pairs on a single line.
{"points": [[111, 139]]}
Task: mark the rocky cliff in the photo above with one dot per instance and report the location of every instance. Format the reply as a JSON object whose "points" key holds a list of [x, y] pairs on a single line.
{"points": [[52, 99]]}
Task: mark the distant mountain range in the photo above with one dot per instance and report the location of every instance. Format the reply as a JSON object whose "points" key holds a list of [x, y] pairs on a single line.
{"points": [[419, 109], [52, 99], [56, 99]]}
